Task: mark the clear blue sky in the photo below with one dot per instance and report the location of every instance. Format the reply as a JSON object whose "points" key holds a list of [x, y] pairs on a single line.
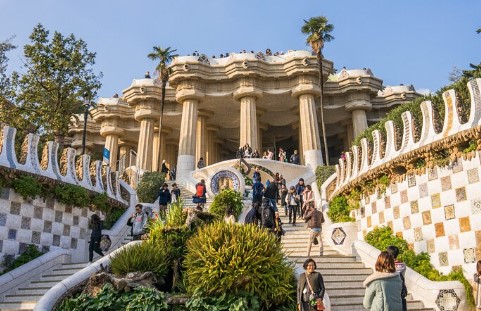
{"points": [[412, 41]]}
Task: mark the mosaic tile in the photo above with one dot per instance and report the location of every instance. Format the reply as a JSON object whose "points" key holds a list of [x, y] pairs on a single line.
{"points": [[464, 224], [22, 247], [25, 223], [381, 218], [36, 237], [414, 207], [12, 234], [436, 200], [3, 219], [432, 173], [378, 194], [1, 246], [393, 188], [5, 193], [363, 211], [423, 190], [453, 241], [446, 183], [418, 234], [411, 180], [439, 229], [477, 235], [460, 194], [447, 300], [74, 243], [49, 203], [75, 220], [395, 212], [374, 207], [476, 206], [399, 234], [473, 175], [68, 208], [15, 208], [443, 259], [84, 212], [431, 246], [390, 225], [66, 230], [83, 233], [369, 223], [38, 212], [58, 216], [411, 246], [449, 212], [404, 196], [367, 199], [457, 166], [56, 240], [407, 222], [427, 218], [469, 255], [338, 236], [387, 202], [47, 226], [45, 249]]}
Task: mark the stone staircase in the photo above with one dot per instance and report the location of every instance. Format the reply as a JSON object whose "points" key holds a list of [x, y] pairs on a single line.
{"points": [[343, 275], [186, 196]]}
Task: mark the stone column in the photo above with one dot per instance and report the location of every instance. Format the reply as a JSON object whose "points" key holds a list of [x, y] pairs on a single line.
{"points": [[145, 146], [190, 98], [111, 143], [311, 145], [201, 135], [124, 153], [247, 94], [211, 134], [358, 104], [155, 151]]}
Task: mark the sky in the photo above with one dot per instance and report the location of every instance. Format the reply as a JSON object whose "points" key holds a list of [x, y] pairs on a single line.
{"points": [[415, 42]]}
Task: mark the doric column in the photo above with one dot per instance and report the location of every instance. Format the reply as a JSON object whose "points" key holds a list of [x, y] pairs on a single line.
{"points": [[155, 151], [124, 155], [171, 149], [210, 153], [358, 104], [145, 146], [111, 132], [201, 135], [247, 94], [262, 127], [311, 145], [189, 97]]}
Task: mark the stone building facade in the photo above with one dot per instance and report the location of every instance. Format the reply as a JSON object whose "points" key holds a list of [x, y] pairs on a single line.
{"points": [[215, 105]]}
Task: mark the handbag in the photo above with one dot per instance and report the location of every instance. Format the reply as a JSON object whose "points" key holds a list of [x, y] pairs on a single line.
{"points": [[318, 301]]}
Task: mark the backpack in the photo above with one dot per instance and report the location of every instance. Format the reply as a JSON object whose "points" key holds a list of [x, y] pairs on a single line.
{"points": [[267, 217], [199, 190], [257, 189], [105, 242]]}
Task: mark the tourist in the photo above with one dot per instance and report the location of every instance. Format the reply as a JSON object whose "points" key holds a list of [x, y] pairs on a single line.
{"points": [[401, 269], [477, 280], [199, 196], [257, 191], [282, 155], [264, 155], [95, 236], [240, 153], [138, 221], [147, 75], [253, 215], [270, 154], [308, 199], [255, 153], [295, 158], [383, 287], [175, 193], [299, 192], [283, 195], [172, 172], [200, 163], [257, 174], [292, 202], [314, 219], [310, 287], [268, 52], [164, 169], [277, 228], [229, 216], [247, 151], [270, 193], [164, 199]]}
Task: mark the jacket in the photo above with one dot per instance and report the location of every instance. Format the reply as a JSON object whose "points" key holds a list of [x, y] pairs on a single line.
{"points": [[383, 292], [314, 218], [164, 197], [139, 222], [317, 283]]}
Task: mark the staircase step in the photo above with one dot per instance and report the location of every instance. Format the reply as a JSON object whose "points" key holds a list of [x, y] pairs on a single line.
{"points": [[14, 306], [21, 298], [38, 290]]}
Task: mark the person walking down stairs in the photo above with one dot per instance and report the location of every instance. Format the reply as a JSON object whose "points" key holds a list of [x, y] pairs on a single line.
{"points": [[314, 219], [95, 237]]}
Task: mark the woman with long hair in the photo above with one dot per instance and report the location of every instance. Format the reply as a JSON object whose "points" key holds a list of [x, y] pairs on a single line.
{"points": [[95, 236]]}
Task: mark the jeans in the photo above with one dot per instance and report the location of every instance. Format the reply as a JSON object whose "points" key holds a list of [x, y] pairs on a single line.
{"points": [[273, 204], [315, 233], [94, 246], [292, 210]]}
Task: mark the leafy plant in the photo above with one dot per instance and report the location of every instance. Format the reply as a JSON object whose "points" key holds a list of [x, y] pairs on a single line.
{"points": [[27, 186], [323, 173], [72, 194], [225, 302], [241, 259], [100, 201], [473, 146], [111, 217], [339, 210], [141, 257], [227, 198], [31, 252], [149, 186]]}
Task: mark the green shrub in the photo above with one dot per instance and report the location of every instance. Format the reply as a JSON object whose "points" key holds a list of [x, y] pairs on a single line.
{"points": [[225, 302], [227, 198], [241, 259], [108, 299], [72, 194], [149, 186], [112, 217], [100, 201], [31, 252], [323, 173], [382, 237], [141, 257], [339, 210], [27, 186]]}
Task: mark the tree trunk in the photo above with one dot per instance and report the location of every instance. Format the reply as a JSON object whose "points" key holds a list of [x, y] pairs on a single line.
{"points": [[323, 125]]}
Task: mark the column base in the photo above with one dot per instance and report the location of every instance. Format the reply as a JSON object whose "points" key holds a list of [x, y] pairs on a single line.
{"points": [[313, 158], [185, 166]]}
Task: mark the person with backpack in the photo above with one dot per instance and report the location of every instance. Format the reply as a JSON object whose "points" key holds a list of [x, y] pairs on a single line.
{"points": [[138, 221], [253, 215], [164, 199], [401, 269], [299, 194], [95, 237], [271, 194], [314, 219], [267, 215], [257, 191], [292, 202], [256, 175], [199, 196]]}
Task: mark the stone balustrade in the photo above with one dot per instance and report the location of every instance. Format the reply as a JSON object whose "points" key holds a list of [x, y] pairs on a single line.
{"points": [[364, 160]]}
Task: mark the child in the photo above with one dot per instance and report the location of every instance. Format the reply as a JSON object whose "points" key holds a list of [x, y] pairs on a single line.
{"points": [[175, 193], [477, 280], [401, 269]]}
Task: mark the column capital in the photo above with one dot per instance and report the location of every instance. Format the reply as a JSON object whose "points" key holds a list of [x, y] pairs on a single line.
{"points": [[146, 109], [247, 90], [110, 127], [306, 88], [204, 113], [186, 93]]}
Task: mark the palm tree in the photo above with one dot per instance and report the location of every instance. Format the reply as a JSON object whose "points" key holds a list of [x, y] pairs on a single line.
{"points": [[318, 29], [165, 57]]}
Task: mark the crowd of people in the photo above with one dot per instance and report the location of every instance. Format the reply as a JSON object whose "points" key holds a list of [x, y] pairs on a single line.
{"points": [[267, 52], [247, 151]]}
